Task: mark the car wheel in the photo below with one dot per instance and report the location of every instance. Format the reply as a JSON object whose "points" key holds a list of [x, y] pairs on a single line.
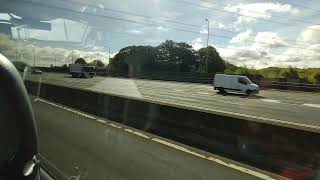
{"points": [[248, 92]]}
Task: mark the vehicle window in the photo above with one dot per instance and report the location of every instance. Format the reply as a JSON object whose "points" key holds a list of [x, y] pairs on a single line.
{"points": [[148, 106], [88, 69], [242, 81]]}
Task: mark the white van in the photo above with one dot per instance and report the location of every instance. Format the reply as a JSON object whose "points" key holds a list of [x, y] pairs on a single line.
{"points": [[235, 84]]}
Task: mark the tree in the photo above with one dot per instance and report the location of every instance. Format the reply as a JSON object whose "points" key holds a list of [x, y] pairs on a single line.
{"points": [[246, 71], [176, 56], [215, 62], [291, 73], [134, 59], [230, 68], [97, 64], [8, 47], [80, 61], [316, 76], [21, 66]]}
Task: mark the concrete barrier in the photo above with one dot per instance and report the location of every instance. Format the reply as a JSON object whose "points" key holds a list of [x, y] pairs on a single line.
{"points": [[265, 146]]}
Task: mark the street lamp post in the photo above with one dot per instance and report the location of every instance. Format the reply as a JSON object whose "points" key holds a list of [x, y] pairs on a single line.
{"points": [[34, 56], [109, 54], [72, 57], [207, 45]]}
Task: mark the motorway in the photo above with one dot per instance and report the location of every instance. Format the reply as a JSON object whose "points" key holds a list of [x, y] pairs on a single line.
{"points": [[81, 146], [299, 110]]}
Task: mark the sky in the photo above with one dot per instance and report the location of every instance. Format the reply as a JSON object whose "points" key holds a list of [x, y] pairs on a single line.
{"points": [[256, 33]]}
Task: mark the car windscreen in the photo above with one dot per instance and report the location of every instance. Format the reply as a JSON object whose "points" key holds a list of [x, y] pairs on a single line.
{"points": [[88, 69]]}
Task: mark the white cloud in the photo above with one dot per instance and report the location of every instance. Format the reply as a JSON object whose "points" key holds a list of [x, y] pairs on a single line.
{"points": [[135, 31], [197, 44], [91, 56], [241, 37], [207, 3], [310, 35], [259, 53], [221, 26], [83, 8], [268, 40], [306, 51], [245, 55], [269, 49], [101, 6], [161, 28], [170, 14], [254, 11], [203, 31]]}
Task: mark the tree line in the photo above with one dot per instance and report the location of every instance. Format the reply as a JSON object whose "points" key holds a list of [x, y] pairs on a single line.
{"points": [[169, 56]]}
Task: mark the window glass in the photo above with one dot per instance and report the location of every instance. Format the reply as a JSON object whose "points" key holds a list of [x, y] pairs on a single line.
{"points": [[242, 81], [150, 108]]}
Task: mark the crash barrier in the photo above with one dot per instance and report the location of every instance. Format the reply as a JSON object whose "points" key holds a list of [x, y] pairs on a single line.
{"points": [[266, 146], [290, 86], [203, 78]]}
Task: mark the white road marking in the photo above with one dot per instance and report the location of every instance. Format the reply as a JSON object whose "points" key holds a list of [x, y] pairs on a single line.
{"points": [[101, 121], [113, 125], [271, 100], [203, 93], [312, 105], [219, 161], [177, 147], [260, 175], [179, 90], [137, 133]]}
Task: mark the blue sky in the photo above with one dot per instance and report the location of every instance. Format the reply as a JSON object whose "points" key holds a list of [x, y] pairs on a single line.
{"points": [[252, 33]]}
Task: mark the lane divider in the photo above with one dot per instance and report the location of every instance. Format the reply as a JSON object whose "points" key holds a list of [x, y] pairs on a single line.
{"points": [[162, 141], [178, 90], [312, 105], [204, 93], [271, 100], [291, 103]]}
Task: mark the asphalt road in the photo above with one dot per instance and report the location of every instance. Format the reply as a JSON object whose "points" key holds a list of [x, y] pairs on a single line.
{"points": [[80, 145], [288, 108]]}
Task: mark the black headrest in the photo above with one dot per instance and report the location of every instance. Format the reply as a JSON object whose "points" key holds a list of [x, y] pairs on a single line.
{"points": [[18, 135]]}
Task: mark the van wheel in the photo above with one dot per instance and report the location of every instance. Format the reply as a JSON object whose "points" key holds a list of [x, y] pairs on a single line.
{"points": [[248, 92], [221, 90]]}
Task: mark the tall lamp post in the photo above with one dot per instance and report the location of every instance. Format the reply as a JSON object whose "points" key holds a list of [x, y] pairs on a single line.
{"points": [[207, 45], [34, 56]]}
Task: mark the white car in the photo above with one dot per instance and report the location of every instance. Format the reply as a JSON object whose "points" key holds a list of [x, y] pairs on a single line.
{"points": [[235, 84]]}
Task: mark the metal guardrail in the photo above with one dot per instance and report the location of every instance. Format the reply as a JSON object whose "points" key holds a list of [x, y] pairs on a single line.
{"points": [[290, 86], [204, 78], [264, 83]]}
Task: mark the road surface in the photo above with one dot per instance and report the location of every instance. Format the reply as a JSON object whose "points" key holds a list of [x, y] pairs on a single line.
{"points": [[80, 145], [293, 109]]}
